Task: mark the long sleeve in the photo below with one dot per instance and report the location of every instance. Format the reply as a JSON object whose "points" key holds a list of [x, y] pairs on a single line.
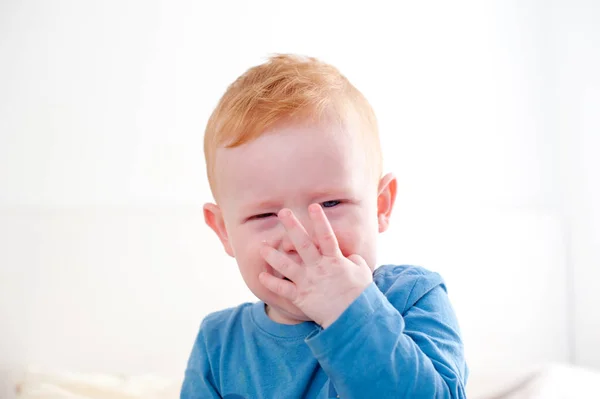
{"points": [[198, 382], [375, 351]]}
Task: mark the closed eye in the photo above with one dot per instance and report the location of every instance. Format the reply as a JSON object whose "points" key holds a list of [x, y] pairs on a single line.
{"points": [[262, 216], [326, 204], [330, 204]]}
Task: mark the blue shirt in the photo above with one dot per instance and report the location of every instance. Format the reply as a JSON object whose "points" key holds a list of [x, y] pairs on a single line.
{"points": [[398, 339]]}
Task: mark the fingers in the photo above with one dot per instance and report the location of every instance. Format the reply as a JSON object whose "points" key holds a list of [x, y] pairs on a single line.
{"points": [[281, 262], [278, 286], [302, 241], [324, 233]]}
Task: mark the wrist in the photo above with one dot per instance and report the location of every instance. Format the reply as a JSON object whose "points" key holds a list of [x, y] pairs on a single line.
{"points": [[335, 315]]}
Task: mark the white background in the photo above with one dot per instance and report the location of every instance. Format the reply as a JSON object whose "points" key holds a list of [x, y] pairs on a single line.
{"points": [[488, 113]]}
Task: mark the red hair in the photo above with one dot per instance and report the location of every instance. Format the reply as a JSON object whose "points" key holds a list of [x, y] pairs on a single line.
{"points": [[286, 86]]}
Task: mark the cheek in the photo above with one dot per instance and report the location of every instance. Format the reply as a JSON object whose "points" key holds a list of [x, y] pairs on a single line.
{"points": [[246, 244], [350, 237], [357, 235], [241, 243]]}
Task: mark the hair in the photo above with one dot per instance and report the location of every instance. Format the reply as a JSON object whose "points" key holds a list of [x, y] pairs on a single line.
{"points": [[286, 86]]}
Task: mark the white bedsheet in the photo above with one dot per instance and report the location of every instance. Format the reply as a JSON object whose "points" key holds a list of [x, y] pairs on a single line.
{"points": [[556, 381], [63, 385], [553, 381]]}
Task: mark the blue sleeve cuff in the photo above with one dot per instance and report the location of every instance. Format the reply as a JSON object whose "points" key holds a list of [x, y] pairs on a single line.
{"points": [[345, 328]]}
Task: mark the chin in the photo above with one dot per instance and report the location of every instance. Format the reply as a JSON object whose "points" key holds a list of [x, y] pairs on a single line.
{"points": [[299, 316], [282, 306], [288, 311]]}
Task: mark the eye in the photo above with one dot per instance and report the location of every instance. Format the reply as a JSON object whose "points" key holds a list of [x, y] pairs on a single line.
{"points": [[262, 216], [330, 204]]}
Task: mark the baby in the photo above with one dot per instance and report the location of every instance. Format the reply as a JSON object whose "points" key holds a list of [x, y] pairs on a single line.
{"points": [[295, 167]]}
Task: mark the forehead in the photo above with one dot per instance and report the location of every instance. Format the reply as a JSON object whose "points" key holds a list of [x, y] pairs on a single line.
{"points": [[291, 160]]}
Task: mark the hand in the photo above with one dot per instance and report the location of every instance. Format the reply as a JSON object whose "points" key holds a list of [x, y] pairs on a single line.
{"points": [[327, 282]]}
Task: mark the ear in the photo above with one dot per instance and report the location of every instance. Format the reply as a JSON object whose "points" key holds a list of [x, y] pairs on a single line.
{"points": [[213, 216], [386, 196]]}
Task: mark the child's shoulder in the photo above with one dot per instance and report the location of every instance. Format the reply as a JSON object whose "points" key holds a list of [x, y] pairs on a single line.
{"points": [[229, 319], [404, 285]]}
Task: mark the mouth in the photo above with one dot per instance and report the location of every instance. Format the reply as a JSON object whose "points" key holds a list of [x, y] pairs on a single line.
{"points": [[287, 279]]}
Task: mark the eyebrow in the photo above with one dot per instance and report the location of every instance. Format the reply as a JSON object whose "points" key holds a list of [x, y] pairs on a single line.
{"points": [[261, 205]]}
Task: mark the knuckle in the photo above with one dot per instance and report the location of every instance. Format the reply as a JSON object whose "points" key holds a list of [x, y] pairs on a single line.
{"points": [[328, 237], [335, 261], [321, 269], [280, 289], [305, 244]]}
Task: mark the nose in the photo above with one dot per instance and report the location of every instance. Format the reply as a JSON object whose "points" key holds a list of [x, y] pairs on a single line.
{"points": [[286, 244]]}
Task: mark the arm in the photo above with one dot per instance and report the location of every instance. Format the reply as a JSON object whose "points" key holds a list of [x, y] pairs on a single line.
{"points": [[367, 347], [199, 381], [374, 351]]}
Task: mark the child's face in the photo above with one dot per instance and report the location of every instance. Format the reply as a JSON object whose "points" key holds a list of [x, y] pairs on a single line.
{"points": [[292, 167]]}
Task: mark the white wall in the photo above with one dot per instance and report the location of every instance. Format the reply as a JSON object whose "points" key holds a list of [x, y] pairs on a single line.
{"points": [[105, 263], [577, 120]]}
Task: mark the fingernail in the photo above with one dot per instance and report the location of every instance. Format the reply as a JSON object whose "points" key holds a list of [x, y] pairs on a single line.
{"points": [[285, 212]]}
